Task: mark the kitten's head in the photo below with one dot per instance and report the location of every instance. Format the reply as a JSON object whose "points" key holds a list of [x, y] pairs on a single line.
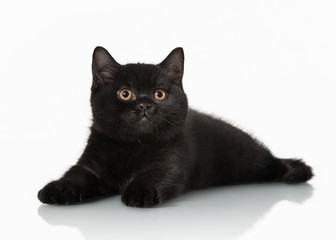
{"points": [[138, 102]]}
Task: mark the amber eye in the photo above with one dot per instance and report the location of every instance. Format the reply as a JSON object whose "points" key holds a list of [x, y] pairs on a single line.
{"points": [[160, 95], [125, 94]]}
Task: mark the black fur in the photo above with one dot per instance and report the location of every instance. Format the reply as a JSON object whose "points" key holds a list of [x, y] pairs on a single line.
{"points": [[151, 150]]}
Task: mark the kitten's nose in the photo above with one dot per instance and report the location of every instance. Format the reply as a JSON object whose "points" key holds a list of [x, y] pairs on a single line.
{"points": [[144, 106]]}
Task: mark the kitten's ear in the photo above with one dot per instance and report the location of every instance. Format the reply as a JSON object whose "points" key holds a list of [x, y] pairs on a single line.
{"points": [[173, 64], [104, 66]]}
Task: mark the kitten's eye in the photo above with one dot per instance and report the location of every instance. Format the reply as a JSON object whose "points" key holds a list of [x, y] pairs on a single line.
{"points": [[160, 94], [125, 94]]}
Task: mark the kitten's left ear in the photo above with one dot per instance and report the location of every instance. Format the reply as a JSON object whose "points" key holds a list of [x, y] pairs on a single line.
{"points": [[173, 64], [104, 66]]}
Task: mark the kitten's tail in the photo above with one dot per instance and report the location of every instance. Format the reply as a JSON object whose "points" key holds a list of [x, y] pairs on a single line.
{"points": [[297, 172]]}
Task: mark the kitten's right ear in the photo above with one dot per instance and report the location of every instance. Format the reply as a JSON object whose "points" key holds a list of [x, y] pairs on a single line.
{"points": [[104, 66]]}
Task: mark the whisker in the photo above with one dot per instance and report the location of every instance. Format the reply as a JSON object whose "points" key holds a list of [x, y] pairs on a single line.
{"points": [[171, 123]]}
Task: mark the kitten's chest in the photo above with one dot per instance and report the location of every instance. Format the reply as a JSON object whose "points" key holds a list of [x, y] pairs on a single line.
{"points": [[125, 159], [143, 155], [124, 162]]}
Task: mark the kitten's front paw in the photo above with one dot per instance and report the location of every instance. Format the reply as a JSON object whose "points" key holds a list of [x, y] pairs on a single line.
{"points": [[137, 195], [59, 192]]}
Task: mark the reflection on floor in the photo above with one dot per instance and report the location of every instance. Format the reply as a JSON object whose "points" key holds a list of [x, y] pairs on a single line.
{"points": [[229, 210]]}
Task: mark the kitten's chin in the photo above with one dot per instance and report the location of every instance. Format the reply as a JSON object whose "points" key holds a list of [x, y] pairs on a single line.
{"points": [[145, 125], [145, 131]]}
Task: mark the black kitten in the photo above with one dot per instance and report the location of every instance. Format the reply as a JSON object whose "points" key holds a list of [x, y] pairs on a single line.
{"points": [[148, 146]]}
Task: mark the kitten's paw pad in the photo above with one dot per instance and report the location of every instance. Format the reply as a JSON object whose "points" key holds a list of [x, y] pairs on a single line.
{"points": [[139, 196], [59, 192]]}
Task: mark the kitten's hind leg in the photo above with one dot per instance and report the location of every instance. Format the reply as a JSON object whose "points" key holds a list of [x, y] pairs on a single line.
{"points": [[297, 171]]}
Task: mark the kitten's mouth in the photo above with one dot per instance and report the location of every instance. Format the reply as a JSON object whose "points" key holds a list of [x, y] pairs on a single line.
{"points": [[144, 122], [144, 118]]}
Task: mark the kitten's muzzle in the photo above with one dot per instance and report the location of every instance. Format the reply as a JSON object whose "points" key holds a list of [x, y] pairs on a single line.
{"points": [[144, 106], [145, 111]]}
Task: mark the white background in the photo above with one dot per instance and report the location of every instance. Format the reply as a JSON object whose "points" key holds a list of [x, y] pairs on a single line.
{"points": [[267, 66]]}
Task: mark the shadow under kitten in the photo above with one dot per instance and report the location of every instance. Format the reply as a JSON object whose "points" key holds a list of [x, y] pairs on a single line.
{"points": [[229, 211]]}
